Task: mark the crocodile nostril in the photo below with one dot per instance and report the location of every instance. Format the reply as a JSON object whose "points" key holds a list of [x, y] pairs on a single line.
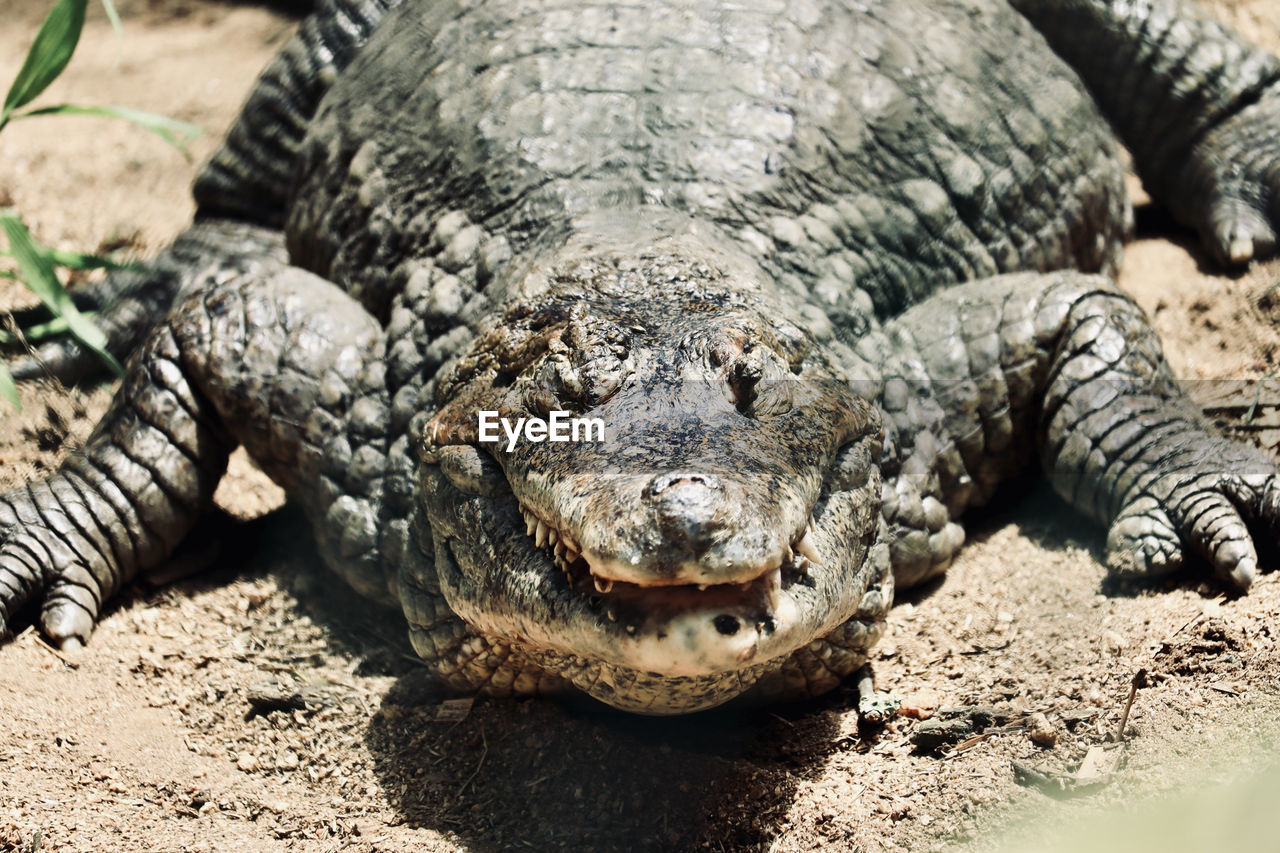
{"points": [[689, 510], [663, 482]]}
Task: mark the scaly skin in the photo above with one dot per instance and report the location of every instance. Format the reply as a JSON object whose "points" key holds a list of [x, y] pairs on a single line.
{"points": [[1199, 109], [825, 288]]}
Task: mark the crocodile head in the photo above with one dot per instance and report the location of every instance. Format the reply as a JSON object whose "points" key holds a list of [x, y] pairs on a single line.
{"points": [[712, 522]]}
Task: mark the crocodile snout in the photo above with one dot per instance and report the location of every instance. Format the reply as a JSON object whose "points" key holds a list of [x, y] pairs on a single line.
{"points": [[689, 510]]}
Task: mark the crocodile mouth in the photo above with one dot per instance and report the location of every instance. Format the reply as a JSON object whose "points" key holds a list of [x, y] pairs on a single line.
{"points": [[760, 589], [511, 573]]}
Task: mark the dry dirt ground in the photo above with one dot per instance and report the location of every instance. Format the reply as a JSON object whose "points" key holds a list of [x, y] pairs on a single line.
{"points": [[161, 736]]}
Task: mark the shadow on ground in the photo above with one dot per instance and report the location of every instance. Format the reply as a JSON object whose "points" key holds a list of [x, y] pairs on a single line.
{"points": [[542, 775], [555, 774]]}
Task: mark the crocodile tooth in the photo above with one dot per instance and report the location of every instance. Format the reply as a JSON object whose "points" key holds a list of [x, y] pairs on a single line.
{"points": [[540, 534], [612, 614], [552, 536], [631, 629], [806, 547], [788, 555], [570, 554], [702, 587], [773, 586], [531, 524], [560, 549], [602, 584]]}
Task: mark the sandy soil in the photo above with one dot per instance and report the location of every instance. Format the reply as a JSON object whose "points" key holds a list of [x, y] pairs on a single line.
{"points": [[160, 736]]}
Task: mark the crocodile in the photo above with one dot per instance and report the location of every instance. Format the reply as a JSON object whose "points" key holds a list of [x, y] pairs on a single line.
{"points": [[825, 274]]}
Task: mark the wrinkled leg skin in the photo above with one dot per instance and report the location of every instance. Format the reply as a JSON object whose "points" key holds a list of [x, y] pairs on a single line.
{"points": [[978, 382], [1198, 106], [257, 353]]}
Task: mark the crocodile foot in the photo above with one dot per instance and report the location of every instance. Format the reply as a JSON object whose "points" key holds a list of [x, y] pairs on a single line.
{"points": [[1231, 182], [1204, 491], [37, 564]]}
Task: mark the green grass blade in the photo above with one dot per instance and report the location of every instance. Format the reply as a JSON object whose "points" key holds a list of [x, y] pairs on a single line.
{"points": [[38, 275], [8, 390], [37, 332], [49, 54], [73, 261], [81, 261], [114, 17], [171, 130]]}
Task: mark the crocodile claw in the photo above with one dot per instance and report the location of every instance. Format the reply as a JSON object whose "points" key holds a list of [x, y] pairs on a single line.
{"points": [[1231, 183], [36, 566], [1208, 497]]}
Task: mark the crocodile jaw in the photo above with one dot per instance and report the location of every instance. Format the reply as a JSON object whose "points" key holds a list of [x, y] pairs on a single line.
{"points": [[661, 651], [674, 635], [723, 523]]}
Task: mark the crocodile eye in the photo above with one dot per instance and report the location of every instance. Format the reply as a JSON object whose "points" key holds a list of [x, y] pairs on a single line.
{"points": [[560, 385], [542, 403], [774, 396], [760, 385], [555, 386], [744, 379]]}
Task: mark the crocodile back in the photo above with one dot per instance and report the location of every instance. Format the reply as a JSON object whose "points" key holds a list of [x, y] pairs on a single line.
{"points": [[868, 153]]}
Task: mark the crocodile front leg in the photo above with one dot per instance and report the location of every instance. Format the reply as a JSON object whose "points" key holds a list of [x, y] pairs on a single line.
{"points": [[976, 382], [1197, 105], [118, 505], [293, 366], [1121, 442], [258, 353]]}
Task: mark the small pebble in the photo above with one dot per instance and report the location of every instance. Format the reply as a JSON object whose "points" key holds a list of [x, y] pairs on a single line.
{"points": [[1041, 731], [919, 706]]}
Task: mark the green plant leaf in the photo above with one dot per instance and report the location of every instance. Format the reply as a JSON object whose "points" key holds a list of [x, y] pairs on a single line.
{"points": [[42, 331], [114, 17], [37, 273], [49, 54], [171, 130], [81, 261], [73, 261], [8, 390]]}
